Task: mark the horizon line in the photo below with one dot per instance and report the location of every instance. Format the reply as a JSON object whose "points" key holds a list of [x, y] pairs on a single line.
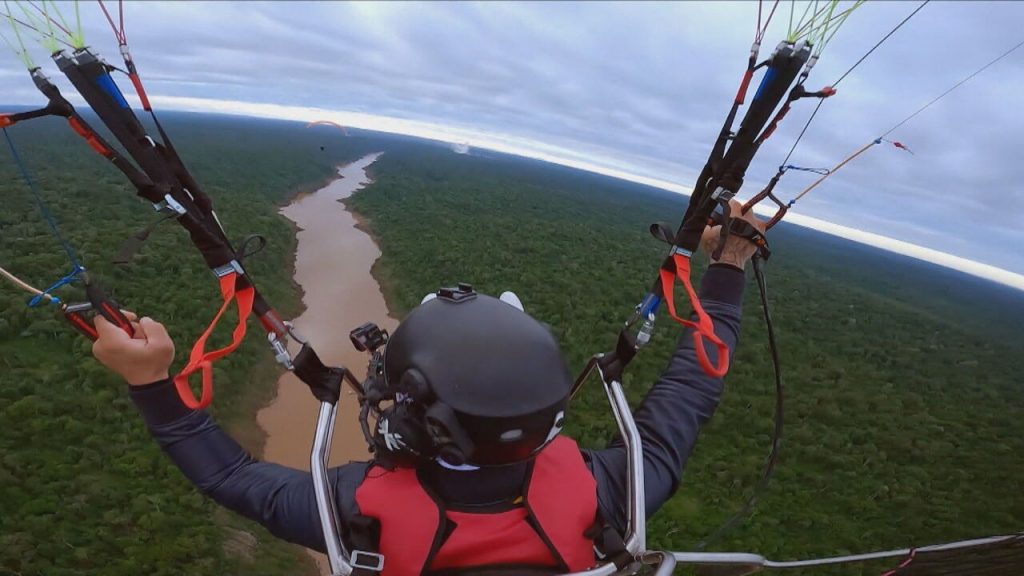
{"points": [[536, 150]]}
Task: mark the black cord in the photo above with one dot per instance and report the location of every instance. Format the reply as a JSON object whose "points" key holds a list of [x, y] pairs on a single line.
{"points": [[847, 73], [773, 455]]}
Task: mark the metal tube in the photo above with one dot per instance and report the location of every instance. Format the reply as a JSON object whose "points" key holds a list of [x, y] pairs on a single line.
{"points": [[636, 513], [755, 562], [603, 570], [886, 554], [326, 505], [742, 562]]}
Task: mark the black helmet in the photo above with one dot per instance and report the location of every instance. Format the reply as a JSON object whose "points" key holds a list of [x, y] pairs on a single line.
{"points": [[488, 381]]}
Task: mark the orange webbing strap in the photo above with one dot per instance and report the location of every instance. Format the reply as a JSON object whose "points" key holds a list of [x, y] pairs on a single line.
{"points": [[703, 328], [199, 359], [89, 136]]}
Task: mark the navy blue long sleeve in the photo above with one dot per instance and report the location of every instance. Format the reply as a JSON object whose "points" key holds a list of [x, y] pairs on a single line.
{"points": [[671, 415], [669, 421]]}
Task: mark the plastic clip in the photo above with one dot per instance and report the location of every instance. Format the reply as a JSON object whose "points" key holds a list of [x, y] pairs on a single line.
{"points": [[232, 267], [367, 560], [170, 203], [277, 343], [722, 194]]}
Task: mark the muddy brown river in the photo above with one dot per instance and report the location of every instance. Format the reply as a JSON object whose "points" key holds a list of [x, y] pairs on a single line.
{"points": [[332, 266]]}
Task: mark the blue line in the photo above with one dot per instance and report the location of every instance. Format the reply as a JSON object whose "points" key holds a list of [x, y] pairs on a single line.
{"points": [[68, 279], [42, 205], [822, 171]]}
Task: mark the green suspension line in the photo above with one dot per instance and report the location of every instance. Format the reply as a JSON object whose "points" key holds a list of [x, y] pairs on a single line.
{"points": [[74, 36], [19, 50], [47, 35]]}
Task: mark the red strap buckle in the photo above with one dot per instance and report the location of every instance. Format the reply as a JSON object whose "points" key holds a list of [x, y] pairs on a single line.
{"points": [[703, 328], [199, 359]]}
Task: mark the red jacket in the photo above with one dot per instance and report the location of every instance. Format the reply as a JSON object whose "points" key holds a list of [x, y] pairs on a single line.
{"points": [[545, 528]]}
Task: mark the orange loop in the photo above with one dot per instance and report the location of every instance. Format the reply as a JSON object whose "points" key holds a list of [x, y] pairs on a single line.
{"points": [[199, 359], [704, 328], [5, 120]]}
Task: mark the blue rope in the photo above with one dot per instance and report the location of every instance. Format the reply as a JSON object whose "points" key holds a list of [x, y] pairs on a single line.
{"points": [[77, 266], [822, 171], [47, 294]]}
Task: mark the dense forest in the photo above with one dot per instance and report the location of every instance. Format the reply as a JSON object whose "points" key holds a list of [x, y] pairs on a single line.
{"points": [[905, 422]]}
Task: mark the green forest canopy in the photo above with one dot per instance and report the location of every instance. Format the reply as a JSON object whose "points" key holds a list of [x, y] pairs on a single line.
{"points": [[904, 417]]}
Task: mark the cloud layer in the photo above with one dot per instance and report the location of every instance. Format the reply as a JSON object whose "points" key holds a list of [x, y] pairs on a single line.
{"points": [[639, 87]]}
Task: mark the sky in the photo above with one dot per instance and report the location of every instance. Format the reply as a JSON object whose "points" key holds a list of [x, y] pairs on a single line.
{"points": [[634, 90]]}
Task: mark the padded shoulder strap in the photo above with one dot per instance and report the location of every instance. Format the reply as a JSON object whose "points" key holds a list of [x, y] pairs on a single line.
{"points": [[395, 498], [562, 498]]}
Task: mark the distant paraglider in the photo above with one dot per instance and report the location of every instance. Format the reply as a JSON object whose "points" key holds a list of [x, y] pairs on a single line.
{"points": [[327, 123]]}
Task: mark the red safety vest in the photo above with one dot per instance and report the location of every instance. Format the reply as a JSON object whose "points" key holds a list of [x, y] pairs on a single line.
{"points": [[559, 505]]}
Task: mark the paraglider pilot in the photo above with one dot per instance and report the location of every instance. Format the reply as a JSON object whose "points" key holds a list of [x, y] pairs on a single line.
{"points": [[470, 470]]}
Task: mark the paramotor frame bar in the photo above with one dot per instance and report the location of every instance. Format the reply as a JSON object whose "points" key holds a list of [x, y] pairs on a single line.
{"points": [[636, 513]]}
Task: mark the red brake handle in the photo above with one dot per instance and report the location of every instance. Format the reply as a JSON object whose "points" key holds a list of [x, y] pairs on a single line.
{"points": [[109, 309], [75, 314]]}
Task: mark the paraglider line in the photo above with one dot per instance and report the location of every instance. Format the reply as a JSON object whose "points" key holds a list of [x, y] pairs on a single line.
{"points": [[847, 73], [119, 33], [762, 30], [880, 42], [46, 14], [14, 21], [28, 287], [954, 87], [72, 255]]}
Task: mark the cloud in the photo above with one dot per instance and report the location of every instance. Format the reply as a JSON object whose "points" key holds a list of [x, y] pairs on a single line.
{"points": [[637, 87]]}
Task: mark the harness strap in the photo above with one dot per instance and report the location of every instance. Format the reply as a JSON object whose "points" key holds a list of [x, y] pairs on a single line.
{"points": [[703, 328], [199, 359], [90, 137], [609, 545]]}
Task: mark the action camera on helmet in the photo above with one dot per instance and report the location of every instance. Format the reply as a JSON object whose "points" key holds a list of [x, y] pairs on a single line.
{"points": [[368, 337]]}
